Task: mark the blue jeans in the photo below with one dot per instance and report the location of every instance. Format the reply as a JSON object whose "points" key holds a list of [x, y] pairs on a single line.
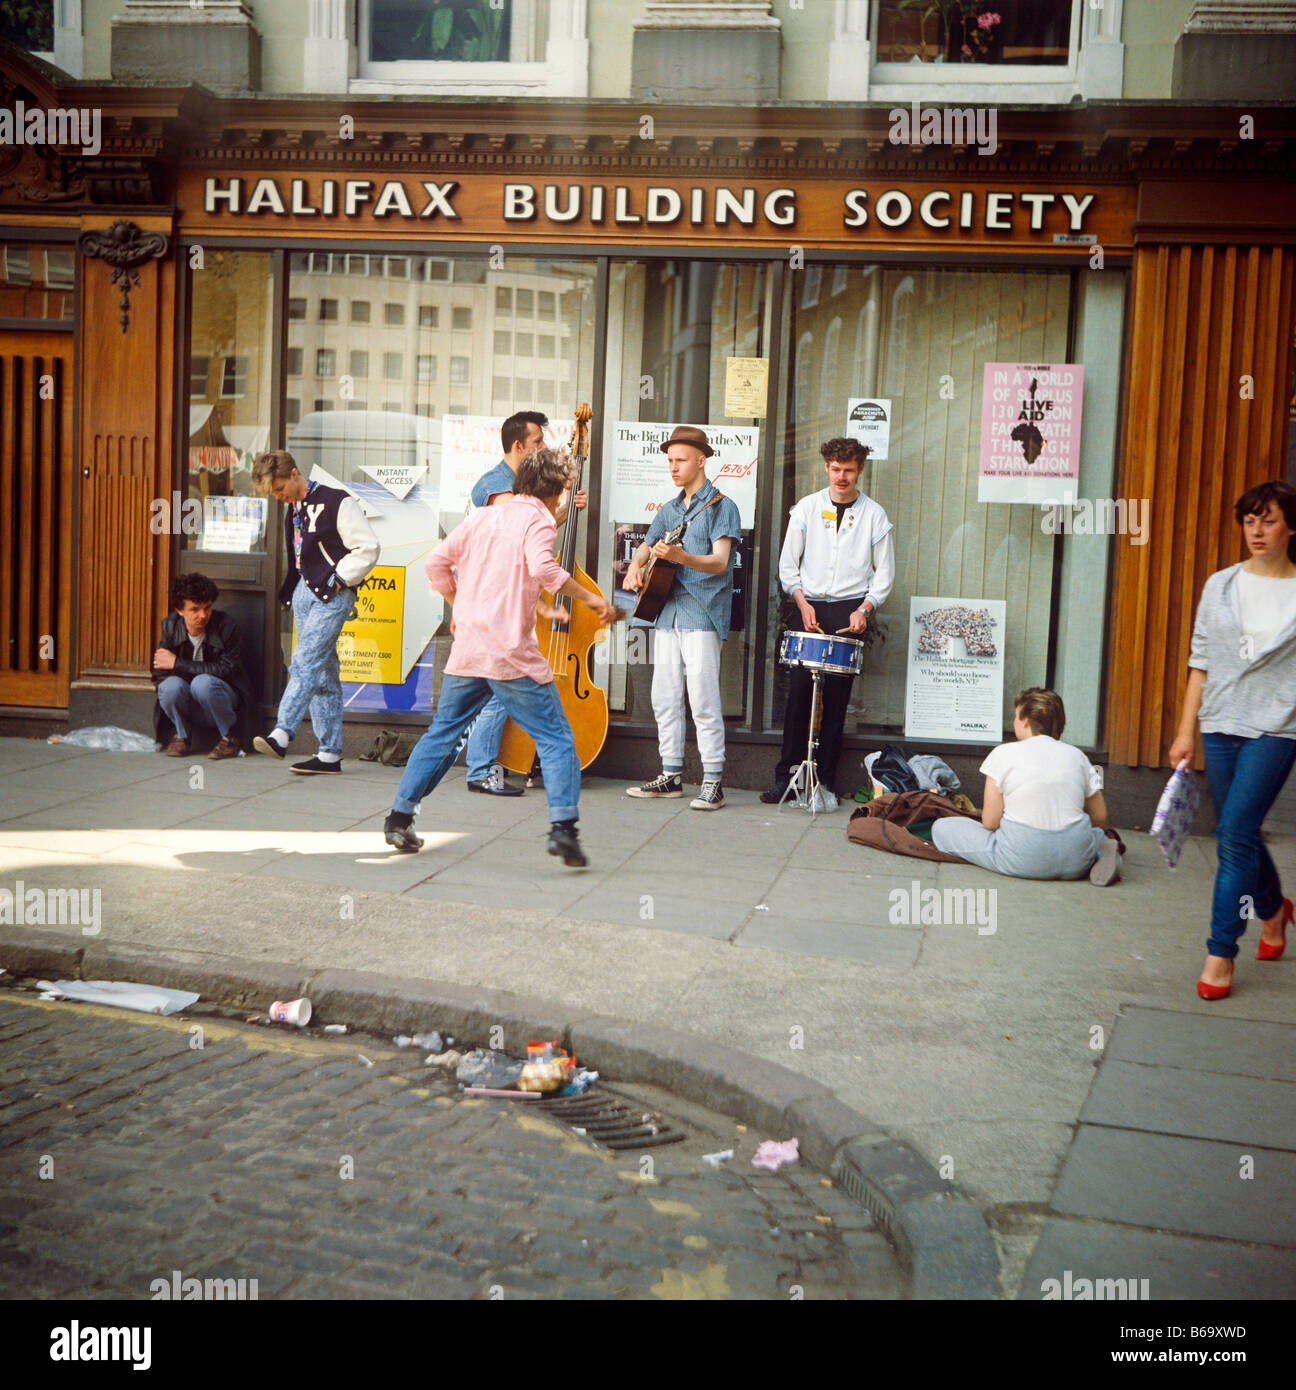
{"points": [[315, 678], [1021, 851], [204, 700], [484, 739], [1245, 776], [534, 708]]}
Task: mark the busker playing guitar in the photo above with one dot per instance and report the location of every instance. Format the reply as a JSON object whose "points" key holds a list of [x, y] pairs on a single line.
{"points": [[503, 558], [838, 566], [694, 619]]}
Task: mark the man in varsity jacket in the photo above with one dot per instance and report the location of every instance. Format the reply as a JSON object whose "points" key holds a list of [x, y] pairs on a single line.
{"points": [[331, 549]]}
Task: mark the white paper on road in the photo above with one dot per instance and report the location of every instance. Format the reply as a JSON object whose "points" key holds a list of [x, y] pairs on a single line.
{"points": [[122, 994]]}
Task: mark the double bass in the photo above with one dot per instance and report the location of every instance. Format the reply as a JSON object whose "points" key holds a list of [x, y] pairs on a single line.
{"points": [[567, 643]]}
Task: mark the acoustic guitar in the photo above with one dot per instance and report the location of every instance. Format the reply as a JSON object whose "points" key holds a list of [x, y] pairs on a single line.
{"points": [[659, 575]]}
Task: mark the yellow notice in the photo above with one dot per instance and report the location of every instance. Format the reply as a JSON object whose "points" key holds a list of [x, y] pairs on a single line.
{"points": [[746, 387], [369, 648]]}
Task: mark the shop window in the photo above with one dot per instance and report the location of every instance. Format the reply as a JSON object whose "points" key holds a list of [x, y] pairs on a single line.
{"points": [[981, 40], [678, 323], [393, 315], [297, 309], [230, 391], [17, 265], [358, 364], [811, 280], [325, 362], [461, 321], [359, 311], [328, 311], [545, 343], [293, 362], [525, 344], [838, 281], [459, 367], [60, 269], [545, 305], [904, 332], [503, 343], [393, 365], [427, 368], [36, 282], [525, 302], [429, 316], [234, 377], [503, 300]]}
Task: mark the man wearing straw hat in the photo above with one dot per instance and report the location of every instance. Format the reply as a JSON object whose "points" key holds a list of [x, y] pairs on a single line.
{"points": [[694, 621]]}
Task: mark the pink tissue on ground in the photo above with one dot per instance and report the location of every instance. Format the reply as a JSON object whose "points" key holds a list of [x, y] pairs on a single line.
{"points": [[773, 1155]]}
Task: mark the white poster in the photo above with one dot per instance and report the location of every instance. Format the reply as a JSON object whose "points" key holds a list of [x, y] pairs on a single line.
{"points": [[470, 446], [637, 474], [869, 421], [954, 688]]}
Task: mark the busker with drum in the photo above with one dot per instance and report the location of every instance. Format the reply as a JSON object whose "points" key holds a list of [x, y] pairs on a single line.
{"points": [[838, 566]]}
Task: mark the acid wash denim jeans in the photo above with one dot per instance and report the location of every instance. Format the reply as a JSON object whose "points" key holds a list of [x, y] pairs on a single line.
{"points": [[534, 708], [315, 678]]}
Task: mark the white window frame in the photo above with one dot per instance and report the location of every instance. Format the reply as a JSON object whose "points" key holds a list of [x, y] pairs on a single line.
{"points": [[1094, 68], [558, 68]]}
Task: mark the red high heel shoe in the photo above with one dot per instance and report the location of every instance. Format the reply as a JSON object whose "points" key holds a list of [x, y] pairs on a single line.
{"points": [[1207, 991], [1264, 951]]}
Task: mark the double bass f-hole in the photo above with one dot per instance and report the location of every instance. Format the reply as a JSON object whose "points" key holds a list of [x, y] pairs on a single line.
{"points": [[576, 675]]}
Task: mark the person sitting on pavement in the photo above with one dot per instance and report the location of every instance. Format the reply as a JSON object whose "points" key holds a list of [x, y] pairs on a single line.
{"points": [[199, 673], [1044, 815]]}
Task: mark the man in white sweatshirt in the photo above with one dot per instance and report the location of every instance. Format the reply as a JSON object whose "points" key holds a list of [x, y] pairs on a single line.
{"points": [[837, 566]]}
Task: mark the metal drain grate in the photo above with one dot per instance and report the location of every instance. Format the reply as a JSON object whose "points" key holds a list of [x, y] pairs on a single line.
{"points": [[614, 1121]]}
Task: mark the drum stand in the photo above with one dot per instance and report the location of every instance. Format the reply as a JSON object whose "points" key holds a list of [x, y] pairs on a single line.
{"points": [[803, 783]]}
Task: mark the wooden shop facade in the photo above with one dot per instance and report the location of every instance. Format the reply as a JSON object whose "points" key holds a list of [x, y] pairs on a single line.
{"points": [[376, 287]]}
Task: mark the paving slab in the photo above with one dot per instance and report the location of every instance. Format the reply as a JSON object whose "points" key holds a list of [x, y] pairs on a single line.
{"points": [[1200, 1104], [1194, 1186], [828, 940], [1230, 1046], [1175, 1266]]}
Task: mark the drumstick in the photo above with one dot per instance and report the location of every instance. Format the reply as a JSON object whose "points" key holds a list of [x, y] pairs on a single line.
{"points": [[841, 631]]}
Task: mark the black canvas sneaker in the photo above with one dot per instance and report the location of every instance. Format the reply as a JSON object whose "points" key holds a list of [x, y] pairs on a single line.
{"points": [[668, 784], [710, 798], [270, 745], [314, 765]]}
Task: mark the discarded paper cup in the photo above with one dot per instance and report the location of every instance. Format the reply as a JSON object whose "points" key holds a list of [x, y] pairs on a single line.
{"points": [[295, 1011]]}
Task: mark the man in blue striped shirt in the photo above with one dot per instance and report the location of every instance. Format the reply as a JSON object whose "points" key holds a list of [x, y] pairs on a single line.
{"points": [[694, 622]]}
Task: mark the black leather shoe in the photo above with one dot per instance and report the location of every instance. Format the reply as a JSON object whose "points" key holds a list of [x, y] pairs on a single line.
{"points": [[776, 792], [565, 840], [401, 834], [494, 785]]}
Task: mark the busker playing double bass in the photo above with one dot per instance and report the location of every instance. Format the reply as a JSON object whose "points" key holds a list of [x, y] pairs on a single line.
{"points": [[493, 568], [838, 567]]}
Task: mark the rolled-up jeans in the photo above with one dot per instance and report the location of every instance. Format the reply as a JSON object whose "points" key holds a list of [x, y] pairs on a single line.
{"points": [[1245, 776], [315, 676], [1021, 851], [533, 707], [484, 740]]}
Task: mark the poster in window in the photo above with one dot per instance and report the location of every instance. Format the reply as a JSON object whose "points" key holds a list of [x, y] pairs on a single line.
{"points": [[471, 446], [1030, 432], [869, 421], [637, 473], [954, 685]]}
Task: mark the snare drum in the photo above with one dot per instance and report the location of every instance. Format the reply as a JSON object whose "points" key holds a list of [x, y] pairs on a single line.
{"points": [[834, 656]]}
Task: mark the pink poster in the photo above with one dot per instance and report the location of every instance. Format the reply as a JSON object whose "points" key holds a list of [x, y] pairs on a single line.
{"points": [[1030, 432]]}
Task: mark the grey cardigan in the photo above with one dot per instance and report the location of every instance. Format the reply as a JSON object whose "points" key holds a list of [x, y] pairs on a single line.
{"points": [[1249, 694]]}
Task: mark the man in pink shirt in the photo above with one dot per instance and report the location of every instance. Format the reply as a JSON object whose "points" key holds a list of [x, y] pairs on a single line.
{"points": [[493, 568]]}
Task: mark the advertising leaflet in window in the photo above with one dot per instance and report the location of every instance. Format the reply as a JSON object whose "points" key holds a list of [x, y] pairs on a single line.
{"points": [[1030, 432], [638, 478], [470, 446], [954, 686]]}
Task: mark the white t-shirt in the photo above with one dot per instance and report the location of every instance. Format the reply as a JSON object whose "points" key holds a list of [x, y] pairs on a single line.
{"points": [[1044, 783], [1268, 606]]}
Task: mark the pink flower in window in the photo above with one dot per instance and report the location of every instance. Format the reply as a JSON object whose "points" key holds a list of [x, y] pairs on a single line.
{"points": [[988, 21]]}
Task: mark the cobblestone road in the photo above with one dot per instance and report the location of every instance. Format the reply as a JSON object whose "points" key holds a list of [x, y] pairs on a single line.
{"points": [[127, 1153]]}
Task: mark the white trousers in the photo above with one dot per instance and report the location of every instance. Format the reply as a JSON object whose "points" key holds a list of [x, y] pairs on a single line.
{"points": [[689, 657]]}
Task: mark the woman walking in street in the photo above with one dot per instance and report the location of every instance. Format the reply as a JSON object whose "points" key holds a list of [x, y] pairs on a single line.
{"points": [[1242, 688]]}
